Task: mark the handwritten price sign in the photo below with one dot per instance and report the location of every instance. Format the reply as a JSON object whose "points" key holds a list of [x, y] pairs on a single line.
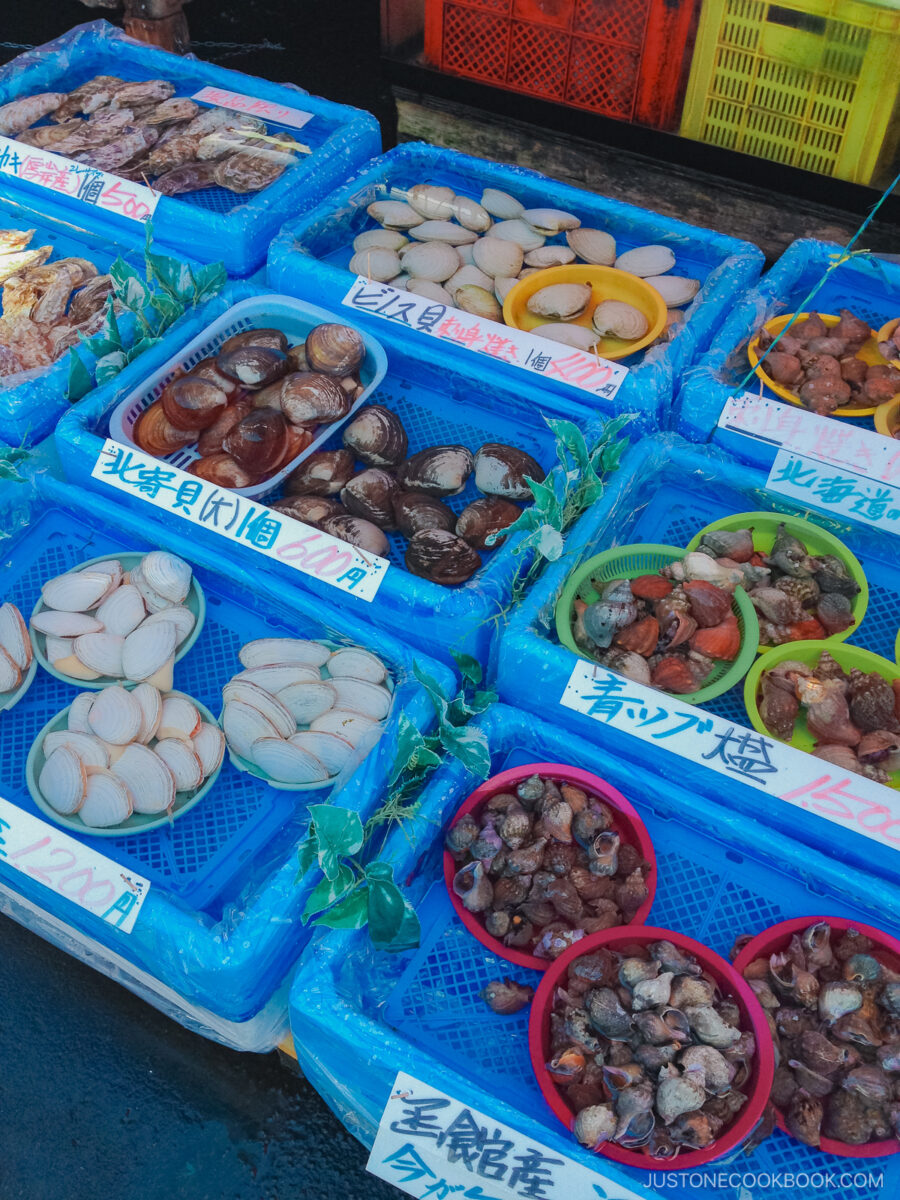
{"points": [[849, 800], [307, 550], [67, 178], [847, 493], [296, 118], [536, 355], [65, 866]]}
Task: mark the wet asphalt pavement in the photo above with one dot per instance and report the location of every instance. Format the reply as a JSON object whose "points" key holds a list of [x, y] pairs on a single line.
{"points": [[102, 1096]]}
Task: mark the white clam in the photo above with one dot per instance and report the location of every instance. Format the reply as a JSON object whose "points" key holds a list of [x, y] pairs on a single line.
{"points": [[78, 712], [276, 676], [167, 574], [179, 718], [101, 652], [592, 246], [520, 232], [14, 637], [550, 221], [153, 600], [380, 239], [243, 725], [181, 759], [471, 214], [549, 256], [646, 260], [431, 201], [503, 286], [352, 662], [468, 275], [64, 624], [76, 591], [501, 204], [430, 290], [115, 716], [466, 253], [674, 289], [74, 668], [335, 752], [107, 800], [430, 260], [122, 611], [272, 707], [148, 778], [10, 675], [394, 214], [306, 701], [619, 319], [264, 652], [351, 726], [380, 265], [91, 751], [443, 231], [478, 300], [150, 701], [63, 781], [498, 257], [56, 648], [209, 746], [179, 616], [147, 649], [286, 762], [560, 301], [400, 281], [356, 695], [569, 335]]}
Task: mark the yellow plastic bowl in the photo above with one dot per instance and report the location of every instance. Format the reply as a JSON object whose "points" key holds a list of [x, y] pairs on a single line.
{"points": [[884, 334], [887, 417], [607, 284], [869, 354]]}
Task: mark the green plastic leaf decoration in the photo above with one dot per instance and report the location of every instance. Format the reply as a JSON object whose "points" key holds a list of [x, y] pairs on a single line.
{"points": [[409, 935], [327, 891], [307, 853], [549, 543], [469, 668], [569, 437], [470, 746], [433, 688], [413, 752], [80, 380], [110, 365], [339, 833], [379, 870], [393, 924], [10, 458], [209, 281], [350, 913], [174, 276], [130, 290], [168, 308]]}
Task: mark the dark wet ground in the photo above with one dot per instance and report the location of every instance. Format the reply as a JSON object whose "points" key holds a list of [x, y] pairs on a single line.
{"points": [[103, 1097]]}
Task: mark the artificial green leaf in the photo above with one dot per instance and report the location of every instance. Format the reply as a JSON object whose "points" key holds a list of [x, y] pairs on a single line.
{"points": [[10, 458], [409, 935], [327, 891], [339, 833], [209, 281], [386, 910], [549, 543], [469, 667], [130, 289], [110, 365], [462, 708], [169, 309], [433, 688], [140, 347], [528, 520], [350, 913], [545, 502], [379, 870], [80, 379], [570, 437], [111, 324], [413, 751], [470, 746], [173, 275], [307, 853]]}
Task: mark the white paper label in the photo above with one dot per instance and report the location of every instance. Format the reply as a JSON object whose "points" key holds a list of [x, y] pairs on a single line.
{"points": [[78, 181], [280, 114], [843, 797], [536, 355], [309, 551], [437, 1148], [71, 869], [846, 493]]}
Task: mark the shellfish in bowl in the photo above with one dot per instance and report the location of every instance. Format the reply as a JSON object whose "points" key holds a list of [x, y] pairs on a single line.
{"points": [[17, 662]]}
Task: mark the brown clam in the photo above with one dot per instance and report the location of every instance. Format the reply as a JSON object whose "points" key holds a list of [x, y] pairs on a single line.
{"points": [[334, 349], [253, 366], [309, 397], [485, 516], [221, 469], [377, 437], [192, 403], [209, 370], [211, 439], [273, 339], [358, 532], [414, 511], [322, 474], [371, 495], [441, 556], [501, 470], [311, 510], [155, 434], [297, 358], [437, 471], [256, 443]]}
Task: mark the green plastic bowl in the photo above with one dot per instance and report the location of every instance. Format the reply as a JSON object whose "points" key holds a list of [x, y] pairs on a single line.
{"points": [[195, 601], [628, 562], [764, 526], [138, 822], [809, 653], [11, 698]]}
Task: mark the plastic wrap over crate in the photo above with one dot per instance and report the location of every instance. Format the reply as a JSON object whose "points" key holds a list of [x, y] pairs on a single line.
{"points": [[664, 492], [214, 223], [359, 1016], [220, 926], [310, 258], [868, 286], [439, 400]]}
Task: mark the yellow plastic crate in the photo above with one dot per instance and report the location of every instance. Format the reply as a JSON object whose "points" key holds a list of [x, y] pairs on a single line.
{"points": [[807, 83]]}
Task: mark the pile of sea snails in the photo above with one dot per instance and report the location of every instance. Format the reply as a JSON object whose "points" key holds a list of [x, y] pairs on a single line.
{"points": [[833, 1009], [544, 865], [252, 408], [394, 492], [854, 716], [647, 1051], [15, 648], [470, 255]]}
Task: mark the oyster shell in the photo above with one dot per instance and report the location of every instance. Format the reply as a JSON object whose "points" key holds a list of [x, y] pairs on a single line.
{"points": [[377, 437], [333, 751], [63, 781], [375, 263], [414, 511], [107, 801], [115, 716], [501, 205], [394, 214], [308, 397], [435, 261], [352, 662], [370, 495], [431, 201], [550, 221], [148, 779], [352, 727], [357, 695], [430, 290], [471, 215], [560, 301], [592, 246], [501, 470], [498, 256], [380, 239], [437, 470], [182, 761], [674, 289], [484, 517], [209, 746], [441, 556], [264, 652], [646, 260], [322, 474], [443, 231], [619, 319]]}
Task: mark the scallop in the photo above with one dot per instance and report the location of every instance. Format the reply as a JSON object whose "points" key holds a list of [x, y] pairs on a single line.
{"points": [[14, 636], [335, 752], [59, 648], [147, 777], [469, 276], [101, 652], [122, 611], [148, 649], [243, 725], [478, 300], [287, 763], [568, 335], [107, 801], [498, 256], [550, 221], [352, 662], [179, 718], [674, 289], [209, 746], [10, 675], [179, 616], [167, 574], [394, 214], [63, 781], [274, 677], [549, 256], [443, 231], [356, 695], [501, 204], [373, 263], [76, 591], [265, 652], [306, 701], [272, 708], [64, 624], [519, 232], [380, 239], [430, 290], [431, 201], [179, 756], [592, 246], [435, 261], [351, 726], [560, 301], [115, 716], [91, 751], [78, 712], [646, 260], [150, 700], [619, 319], [471, 214]]}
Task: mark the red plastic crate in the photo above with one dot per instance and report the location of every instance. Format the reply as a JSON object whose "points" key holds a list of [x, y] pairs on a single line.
{"points": [[621, 58]]}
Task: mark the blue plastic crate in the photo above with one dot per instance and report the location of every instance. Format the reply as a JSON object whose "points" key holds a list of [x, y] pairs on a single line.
{"points": [[310, 256], [720, 874], [439, 401], [212, 224], [221, 924], [868, 286], [665, 492]]}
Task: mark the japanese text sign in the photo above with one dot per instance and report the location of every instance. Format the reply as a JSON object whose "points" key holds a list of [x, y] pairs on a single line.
{"points": [[77, 180], [435, 1148], [844, 492], [249, 523], [849, 800], [268, 110], [71, 869], [537, 355]]}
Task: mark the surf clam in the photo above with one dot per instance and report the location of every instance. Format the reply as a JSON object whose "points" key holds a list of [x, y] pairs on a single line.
{"points": [[560, 301], [619, 319], [15, 648]]}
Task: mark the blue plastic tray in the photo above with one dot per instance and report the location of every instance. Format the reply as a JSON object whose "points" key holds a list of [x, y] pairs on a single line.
{"points": [[720, 874], [439, 400], [221, 923], [310, 256], [212, 224], [665, 492], [869, 287]]}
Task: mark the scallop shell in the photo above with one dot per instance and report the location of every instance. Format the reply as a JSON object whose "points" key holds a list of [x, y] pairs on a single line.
{"points": [[78, 712], [209, 746], [356, 695], [593, 246], [380, 265], [179, 718], [167, 574], [148, 649], [550, 221], [63, 781], [674, 289], [443, 231], [101, 652], [150, 700], [58, 648], [569, 335], [478, 300], [431, 201], [501, 205], [64, 624], [380, 239], [10, 675], [76, 591], [14, 637], [352, 662], [498, 256], [394, 214], [274, 677], [435, 261], [469, 275], [351, 726], [115, 716], [471, 214], [549, 256], [148, 778], [181, 759], [561, 301], [430, 290], [286, 762], [107, 801], [179, 616], [619, 319], [335, 752], [91, 751], [243, 725], [122, 611], [519, 232], [646, 260], [306, 701], [265, 652], [273, 708]]}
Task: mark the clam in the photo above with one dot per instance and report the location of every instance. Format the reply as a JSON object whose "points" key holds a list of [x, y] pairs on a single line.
{"points": [[147, 777], [357, 532], [306, 701], [191, 403], [484, 517], [569, 335], [265, 651], [10, 675], [271, 707], [243, 725], [377, 437], [335, 349], [274, 677], [182, 761], [107, 801], [167, 574], [274, 339], [63, 781], [431, 201], [443, 231], [375, 263], [333, 751], [286, 762], [441, 556], [111, 567], [78, 711], [115, 716], [148, 649], [311, 510], [153, 601], [91, 751], [222, 470], [466, 253], [76, 591], [75, 668], [478, 300], [351, 726], [434, 261], [549, 256], [150, 701], [356, 695], [179, 718], [498, 256], [560, 301], [646, 261], [674, 289], [179, 616], [469, 276], [501, 205], [352, 662], [101, 652], [58, 648], [394, 214], [257, 441], [592, 246], [400, 281], [322, 474], [502, 470], [380, 239], [619, 319], [14, 637], [209, 746], [309, 397], [503, 285], [437, 470], [154, 433], [550, 221], [414, 511], [519, 232], [471, 214], [370, 495], [123, 611], [430, 290]]}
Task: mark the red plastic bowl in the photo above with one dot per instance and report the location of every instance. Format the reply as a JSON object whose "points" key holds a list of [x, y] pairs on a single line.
{"points": [[626, 823], [777, 938], [730, 983]]}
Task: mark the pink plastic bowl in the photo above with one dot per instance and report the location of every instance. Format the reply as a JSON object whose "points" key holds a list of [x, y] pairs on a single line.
{"points": [[626, 823], [730, 983], [776, 939]]}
